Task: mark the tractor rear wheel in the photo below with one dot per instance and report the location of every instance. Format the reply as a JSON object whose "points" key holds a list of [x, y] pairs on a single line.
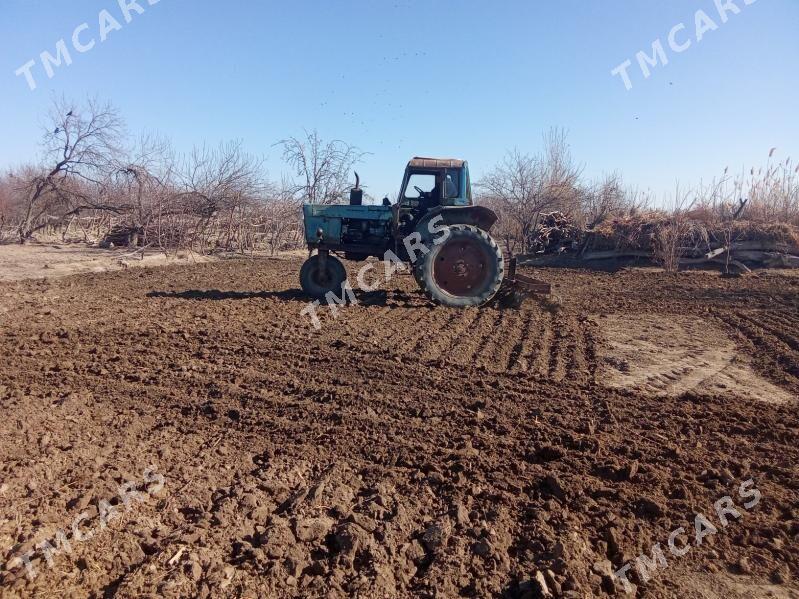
{"points": [[317, 281], [465, 270]]}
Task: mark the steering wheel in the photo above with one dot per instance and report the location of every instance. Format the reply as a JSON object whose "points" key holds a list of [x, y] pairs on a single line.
{"points": [[420, 191]]}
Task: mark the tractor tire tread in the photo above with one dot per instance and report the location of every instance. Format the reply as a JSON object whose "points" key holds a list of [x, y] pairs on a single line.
{"points": [[336, 269], [424, 266]]}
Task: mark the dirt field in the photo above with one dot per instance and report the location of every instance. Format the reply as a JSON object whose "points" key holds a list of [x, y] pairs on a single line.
{"points": [[54, 260], [404, 449]]}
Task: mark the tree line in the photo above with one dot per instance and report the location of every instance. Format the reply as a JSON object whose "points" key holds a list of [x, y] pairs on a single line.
{"points": [[96, 183], [93, 181]]}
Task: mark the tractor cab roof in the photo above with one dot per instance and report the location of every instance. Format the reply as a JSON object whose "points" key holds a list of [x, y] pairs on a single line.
{"points": [[435, 163]]}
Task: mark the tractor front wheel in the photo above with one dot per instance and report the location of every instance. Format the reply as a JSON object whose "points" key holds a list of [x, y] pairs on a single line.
{"points": [[317, 280], [466, 269]]}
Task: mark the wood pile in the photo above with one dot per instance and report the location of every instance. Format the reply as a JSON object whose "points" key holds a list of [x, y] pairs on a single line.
{"points": [[556, 233]]}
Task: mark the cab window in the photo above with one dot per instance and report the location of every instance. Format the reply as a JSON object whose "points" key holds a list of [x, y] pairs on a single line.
{"points": [[452, 184], [425, 182]]}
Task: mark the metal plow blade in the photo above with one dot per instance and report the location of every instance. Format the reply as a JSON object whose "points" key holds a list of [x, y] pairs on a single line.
{"points": [[516, 288]]}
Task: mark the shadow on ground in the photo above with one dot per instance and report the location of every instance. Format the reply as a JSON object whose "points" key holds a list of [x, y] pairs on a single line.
{"points": [[217, 295], [383, 298]]}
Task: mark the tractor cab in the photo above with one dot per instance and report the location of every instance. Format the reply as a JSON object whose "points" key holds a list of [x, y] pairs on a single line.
{"points": [[429, 184]]}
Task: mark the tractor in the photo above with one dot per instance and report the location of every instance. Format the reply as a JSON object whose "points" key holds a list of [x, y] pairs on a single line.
{"points": [[434, 226]]}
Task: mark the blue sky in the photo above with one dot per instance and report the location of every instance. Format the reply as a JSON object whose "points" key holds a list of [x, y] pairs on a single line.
{"points": [[399, 78]]}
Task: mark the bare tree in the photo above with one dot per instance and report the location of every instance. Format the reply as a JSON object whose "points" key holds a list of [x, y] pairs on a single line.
{"points": [[602, 199], [6, 205], [89, 181], [524, 186], [216, 181], [80, 145], [281, 219], [145, 180], [609, 197], [322, 168]]}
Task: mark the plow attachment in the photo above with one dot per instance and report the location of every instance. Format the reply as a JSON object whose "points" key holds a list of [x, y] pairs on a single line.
{"points": [[516, 287]]}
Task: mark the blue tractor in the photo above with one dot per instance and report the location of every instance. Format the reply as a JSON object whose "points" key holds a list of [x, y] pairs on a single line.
{"points": [[434, 226]]}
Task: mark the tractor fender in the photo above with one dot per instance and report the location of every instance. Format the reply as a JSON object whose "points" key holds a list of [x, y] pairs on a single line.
{"points": [[478, 216]]}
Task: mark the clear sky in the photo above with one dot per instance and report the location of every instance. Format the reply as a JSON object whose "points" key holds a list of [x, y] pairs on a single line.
{"points": [[467, 78]]}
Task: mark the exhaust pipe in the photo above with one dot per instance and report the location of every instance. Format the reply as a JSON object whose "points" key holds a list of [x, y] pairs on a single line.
{"points": [[356, 193]]}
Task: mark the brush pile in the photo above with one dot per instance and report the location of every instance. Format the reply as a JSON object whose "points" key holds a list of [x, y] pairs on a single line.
{"points": [[123, 236], [683, 241], [640, 233], [674, 241]]}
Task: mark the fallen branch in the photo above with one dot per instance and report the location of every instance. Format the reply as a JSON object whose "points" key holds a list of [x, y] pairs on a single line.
{"points": [[138, 251]]}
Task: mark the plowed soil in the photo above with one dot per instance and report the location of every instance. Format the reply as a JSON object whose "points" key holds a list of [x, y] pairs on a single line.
{"points": [[403, 449]]}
